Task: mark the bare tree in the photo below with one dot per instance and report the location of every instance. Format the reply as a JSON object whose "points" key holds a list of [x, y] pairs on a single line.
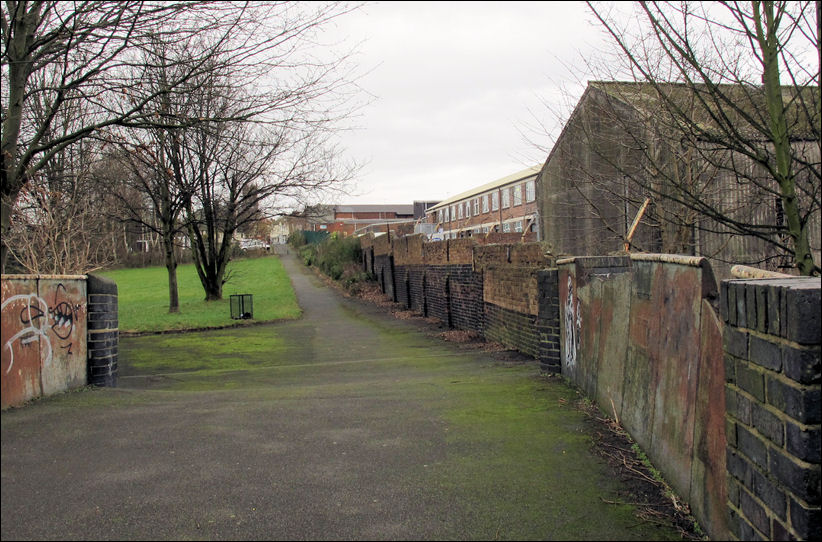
{"points": [[719, 124], [255, 122], [60, 225], [60, 53], [240, 170]]}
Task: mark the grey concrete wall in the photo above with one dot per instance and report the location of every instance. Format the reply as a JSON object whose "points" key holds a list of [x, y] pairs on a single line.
{"points": [[640, 336]]}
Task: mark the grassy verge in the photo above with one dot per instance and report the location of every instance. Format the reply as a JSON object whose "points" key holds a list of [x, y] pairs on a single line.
{"points": [[143, 296]]}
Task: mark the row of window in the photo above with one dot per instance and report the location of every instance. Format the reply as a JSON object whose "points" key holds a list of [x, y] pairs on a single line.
{"points": [[507, 227], [511, 196]]}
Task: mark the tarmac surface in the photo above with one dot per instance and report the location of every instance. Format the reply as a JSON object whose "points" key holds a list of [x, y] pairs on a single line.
{"points": [[354, 426]]}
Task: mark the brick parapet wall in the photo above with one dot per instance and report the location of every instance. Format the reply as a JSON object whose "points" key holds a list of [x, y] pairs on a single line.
{"points": [[466, 303], [103, 331], [384, 274], [437, 293], [471, 287], [772, 367], [408, 250], [549, 355], [367, 246], [512, 288], [461, 251], [435, 253], [382, 245], [504, 238], [512, 329], [518, 255]]}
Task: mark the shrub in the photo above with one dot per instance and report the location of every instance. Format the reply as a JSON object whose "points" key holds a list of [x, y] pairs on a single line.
{"points": [[337, 257], [297, 239]]}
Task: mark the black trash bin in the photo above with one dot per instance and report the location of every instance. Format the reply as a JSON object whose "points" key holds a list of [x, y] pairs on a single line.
{"points": [[242, 306]]}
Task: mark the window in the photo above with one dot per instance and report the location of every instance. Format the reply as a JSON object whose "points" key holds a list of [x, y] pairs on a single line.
{"points": [[447, 214], [439, 215], [485, 203], [518, 226], [459, 210], [453, 213], [506, 198], [518, 195], [506, 227], [476, 206], [467, 209], [530, 191], [495, 201]]}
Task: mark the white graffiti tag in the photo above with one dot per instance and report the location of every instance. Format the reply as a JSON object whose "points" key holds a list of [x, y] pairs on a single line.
{"points": [[573, 323], [35, 317]]}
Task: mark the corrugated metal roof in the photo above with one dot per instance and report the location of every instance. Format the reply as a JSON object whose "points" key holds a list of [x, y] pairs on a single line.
{"points": [[514, 177]]}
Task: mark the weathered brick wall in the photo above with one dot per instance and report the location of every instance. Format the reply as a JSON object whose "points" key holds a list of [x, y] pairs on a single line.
{"points": [[504, 238], [512, 328], [367, 246], [502, 291], [384, 273], [521, 300], [437, 293], [416, 288], [103, 331], [408, 250], [519, 255], [383, 264], [466, 303], [461, 251], [435, 253], [512, 288], [549, 353], [772, 367]]}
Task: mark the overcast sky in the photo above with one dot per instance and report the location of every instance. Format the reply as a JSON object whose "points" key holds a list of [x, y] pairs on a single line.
{"points": [[455, 85]]}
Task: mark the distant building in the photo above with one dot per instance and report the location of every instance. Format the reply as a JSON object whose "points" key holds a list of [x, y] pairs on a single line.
{"points": [[507, 205], [587, 206], [420, 208]]}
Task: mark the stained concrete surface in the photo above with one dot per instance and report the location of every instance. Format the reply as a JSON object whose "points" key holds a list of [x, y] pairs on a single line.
{"points": [[353, 425]]}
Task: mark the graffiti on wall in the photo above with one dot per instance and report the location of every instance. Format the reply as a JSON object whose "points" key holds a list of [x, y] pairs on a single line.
{"points": [[44, 337], [36, 316], [573, 323]]}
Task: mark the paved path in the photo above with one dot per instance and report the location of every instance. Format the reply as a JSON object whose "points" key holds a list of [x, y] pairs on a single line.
{"points": [[354, 426]]}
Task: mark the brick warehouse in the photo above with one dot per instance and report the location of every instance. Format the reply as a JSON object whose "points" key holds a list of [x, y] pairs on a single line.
{"points": [[507, 205], [726, 377]]}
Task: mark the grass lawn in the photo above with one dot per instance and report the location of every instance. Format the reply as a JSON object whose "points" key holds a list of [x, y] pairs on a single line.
{"points": [[143, 296]]}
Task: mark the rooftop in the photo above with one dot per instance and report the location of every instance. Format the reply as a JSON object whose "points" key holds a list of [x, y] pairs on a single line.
{"points": [[399, 209], [514, 177]]}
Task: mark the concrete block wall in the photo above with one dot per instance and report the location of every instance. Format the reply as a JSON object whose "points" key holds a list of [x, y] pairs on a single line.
{"points": [[772, 371]]}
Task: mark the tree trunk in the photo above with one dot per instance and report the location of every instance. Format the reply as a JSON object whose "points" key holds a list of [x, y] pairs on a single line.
{"points": [[171, 267], [5, 220], [769, 45]]}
